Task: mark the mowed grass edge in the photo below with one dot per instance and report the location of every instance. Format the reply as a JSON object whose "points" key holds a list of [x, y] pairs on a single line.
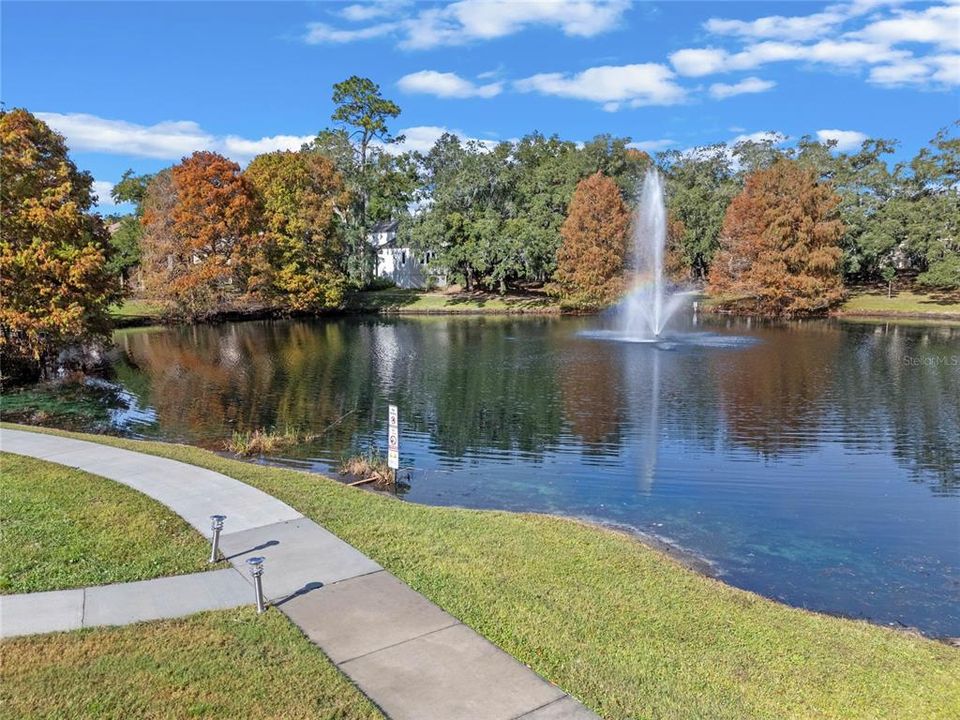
{"points": [[618, 624], [66, 528], [227, 664]]}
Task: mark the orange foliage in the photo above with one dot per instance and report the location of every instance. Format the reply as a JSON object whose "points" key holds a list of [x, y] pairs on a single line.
{"points": [[780, 245], [590, 261], [55, 286], [199, 234]]}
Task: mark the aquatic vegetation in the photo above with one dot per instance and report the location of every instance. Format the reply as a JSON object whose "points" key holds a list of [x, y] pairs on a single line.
{"points": [[263, 441]]}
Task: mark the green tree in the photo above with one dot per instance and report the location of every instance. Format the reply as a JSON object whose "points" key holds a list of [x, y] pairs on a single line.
{"points": [[934, 189], [493, 214], [466, 188], [700, 185], [372, 176], [126, 238], [301, 199], [55, 280]]}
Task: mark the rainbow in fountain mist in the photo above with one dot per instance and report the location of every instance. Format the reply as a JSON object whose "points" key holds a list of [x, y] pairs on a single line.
{"points": [[647, 309]]}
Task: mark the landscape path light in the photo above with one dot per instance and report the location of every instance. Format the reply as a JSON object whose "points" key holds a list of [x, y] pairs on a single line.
{"points": [[256, 570], [216, 524]]}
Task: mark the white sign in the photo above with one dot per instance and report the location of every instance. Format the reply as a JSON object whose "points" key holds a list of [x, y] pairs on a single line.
{"points": [[393, 439]]}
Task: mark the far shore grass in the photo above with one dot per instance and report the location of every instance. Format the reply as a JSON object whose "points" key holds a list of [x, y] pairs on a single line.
{"points": [[396, 300], [220, 665], [860, 302], [65, 528], [620, 625], [901, 303]]}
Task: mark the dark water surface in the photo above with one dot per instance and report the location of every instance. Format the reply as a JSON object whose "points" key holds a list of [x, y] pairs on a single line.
{"points": [[817, 463]]}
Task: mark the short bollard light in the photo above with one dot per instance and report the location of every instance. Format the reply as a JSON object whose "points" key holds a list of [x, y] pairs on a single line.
{"points": [[256, 570], [216, 524]]}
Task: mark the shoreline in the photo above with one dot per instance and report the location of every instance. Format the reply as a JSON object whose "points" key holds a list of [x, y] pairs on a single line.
{"points": [[122, 323], [665, 546]]}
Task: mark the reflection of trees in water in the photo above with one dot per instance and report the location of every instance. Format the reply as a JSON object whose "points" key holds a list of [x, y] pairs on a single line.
{"points": [[206, 381], [469, 388], [492, 387], [516, 385], [883, 388], [772, 393], [898, 386], [593, 395]]}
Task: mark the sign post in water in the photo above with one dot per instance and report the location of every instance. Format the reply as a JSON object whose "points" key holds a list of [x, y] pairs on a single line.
{"points": [[393, 442]]}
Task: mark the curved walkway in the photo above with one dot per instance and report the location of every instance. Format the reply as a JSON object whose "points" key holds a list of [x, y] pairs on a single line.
{"points": [[409, 656]]}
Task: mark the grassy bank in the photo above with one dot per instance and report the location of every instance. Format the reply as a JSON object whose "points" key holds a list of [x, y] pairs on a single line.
{"points": [[228, 664], [132, 312], [395, 300], [620, 625], [64, 528], [905, 303]]}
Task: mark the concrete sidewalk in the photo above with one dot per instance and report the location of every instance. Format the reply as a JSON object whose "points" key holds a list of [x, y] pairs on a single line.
{"points": [[123, 603], [191, 492], [410, 657]]}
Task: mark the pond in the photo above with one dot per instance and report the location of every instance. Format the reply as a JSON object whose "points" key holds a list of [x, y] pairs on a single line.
{"points": [[817, 463]]}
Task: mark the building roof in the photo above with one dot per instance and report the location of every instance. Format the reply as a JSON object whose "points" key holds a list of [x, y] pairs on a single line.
{"points": [[386, 226]]}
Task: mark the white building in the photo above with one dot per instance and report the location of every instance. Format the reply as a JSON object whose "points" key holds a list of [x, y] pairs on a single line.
{"points": [[407, 268]]}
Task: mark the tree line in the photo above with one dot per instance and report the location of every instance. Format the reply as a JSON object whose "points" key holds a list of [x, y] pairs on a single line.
{"points": [[769, 229]]}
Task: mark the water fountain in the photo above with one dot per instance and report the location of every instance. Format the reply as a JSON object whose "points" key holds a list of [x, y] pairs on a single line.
{"points": [[647, 309], [645, 313]]}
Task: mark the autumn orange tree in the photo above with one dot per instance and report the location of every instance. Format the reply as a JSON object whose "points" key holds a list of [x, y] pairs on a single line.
{"points": [[590, 260], [780, 249], [198, 242], [55, 285], [302, 201]]}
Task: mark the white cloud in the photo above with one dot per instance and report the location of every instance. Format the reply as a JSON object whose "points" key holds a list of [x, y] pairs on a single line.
{"points": [[102, 189], [938, 25], [318, 33], [697, 62], [242, 148], [162, 141], [933, 71], [89, 133], [612, 85], [846, 139], [901, 73], [826, 38], [946, 69], [446, 85], [721, 91], [803, 27], [361, 12], [469, 20], [651, 146], [421, 138]]}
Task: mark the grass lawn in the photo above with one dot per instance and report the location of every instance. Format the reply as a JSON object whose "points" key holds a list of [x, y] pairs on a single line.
{"points": [[65, 528], [904, 302], [395, 300], [227, 664], [131, 310], [621, 626]]}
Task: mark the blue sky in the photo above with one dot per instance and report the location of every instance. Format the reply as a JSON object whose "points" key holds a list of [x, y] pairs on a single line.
{"points": [[139, 85]]}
